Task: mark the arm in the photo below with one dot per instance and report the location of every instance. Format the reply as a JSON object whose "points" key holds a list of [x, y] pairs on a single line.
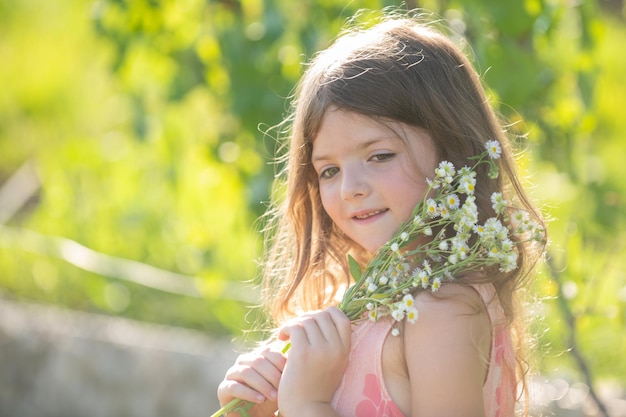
{"points": [[447, 352], [317, 359], [254, 377]]}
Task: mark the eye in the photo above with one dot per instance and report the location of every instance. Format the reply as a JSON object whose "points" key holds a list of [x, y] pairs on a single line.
{"points": [[382, 157], [329, 172]]}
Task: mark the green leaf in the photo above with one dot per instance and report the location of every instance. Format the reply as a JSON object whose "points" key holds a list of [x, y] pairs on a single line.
{"points": [[354, 308], [355, 268]]}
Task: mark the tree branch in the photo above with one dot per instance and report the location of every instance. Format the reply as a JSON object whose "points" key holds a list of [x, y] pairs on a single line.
{"points": [[570, 320]]}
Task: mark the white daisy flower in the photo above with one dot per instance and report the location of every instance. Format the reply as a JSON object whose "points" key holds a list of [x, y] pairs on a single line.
{"points": [[372, 315], [453, 201], [498, 203], [506, 245], [519, 217], [408, 301], [412, 315], [445, 169], [427, 268], [509, 262], [460, 248], [397, 314], [502, 233], [436, 284], [470, 210], [479, 229], [431, 208], [493, 149], [494, 252], [467, 185], [467, 172], [443, 211]]}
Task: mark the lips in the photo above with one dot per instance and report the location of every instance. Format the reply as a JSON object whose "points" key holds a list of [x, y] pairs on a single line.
{"points": [[364, 215]]}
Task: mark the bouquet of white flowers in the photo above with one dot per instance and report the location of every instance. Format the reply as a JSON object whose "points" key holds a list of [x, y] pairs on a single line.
{"points": [[386, 285], [421, 254]]}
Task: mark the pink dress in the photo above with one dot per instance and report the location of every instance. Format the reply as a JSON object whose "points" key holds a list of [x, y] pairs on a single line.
{"points": [[362, 392]]}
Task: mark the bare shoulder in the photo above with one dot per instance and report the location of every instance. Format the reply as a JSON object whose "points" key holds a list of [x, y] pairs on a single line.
{"points": [[452, 319], [447, 351], [460, 298]]}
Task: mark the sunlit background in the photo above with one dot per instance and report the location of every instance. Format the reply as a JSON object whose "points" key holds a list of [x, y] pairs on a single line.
{"points": [[135, 157]]}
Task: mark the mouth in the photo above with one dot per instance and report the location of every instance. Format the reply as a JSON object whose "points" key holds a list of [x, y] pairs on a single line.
{"points": [[369, 214]]}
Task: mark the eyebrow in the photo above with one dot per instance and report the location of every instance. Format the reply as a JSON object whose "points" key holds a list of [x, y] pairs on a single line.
{"points": [[364, 145]]}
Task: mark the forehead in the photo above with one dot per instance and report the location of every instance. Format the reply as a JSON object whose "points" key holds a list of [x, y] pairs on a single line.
{"points": [[345, 132], [343, 127]]}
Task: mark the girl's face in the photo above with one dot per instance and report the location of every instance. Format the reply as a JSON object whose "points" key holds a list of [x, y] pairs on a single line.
{"points": [[370, 178]]}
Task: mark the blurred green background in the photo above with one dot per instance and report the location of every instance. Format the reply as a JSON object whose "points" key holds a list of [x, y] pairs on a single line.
{"points": [[136, 149]]}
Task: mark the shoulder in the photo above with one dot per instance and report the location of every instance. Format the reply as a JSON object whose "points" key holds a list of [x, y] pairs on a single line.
{"points": [[453, 318], [452, 294], [447, 352]]}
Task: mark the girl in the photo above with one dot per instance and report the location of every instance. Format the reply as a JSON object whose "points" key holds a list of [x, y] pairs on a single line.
{"points": [[373, 116]]}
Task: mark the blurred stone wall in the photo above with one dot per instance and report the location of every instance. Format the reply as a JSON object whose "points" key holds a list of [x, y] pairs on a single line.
{"points": [[60, 363]]}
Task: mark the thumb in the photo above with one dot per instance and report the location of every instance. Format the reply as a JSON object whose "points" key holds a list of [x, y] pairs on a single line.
{"points": [[284, 333]]}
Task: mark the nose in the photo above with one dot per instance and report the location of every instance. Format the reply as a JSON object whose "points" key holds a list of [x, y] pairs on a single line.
{"points": [[354, 184]]}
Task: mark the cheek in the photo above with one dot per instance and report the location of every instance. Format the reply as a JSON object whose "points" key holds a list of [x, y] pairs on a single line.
{"points": [[408, 194], [328, 203], [409, 182]]}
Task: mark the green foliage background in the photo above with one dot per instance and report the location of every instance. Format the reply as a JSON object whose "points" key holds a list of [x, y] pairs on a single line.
{"points": [[144, 122]]}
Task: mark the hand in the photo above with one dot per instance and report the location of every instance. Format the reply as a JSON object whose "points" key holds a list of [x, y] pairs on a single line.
{"points": [[317, 359], [254, 377]]}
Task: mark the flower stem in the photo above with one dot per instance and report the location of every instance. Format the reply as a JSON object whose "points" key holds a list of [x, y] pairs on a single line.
{"points": [[227, 408]]}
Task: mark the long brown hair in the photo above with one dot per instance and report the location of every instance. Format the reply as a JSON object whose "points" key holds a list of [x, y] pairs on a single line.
{"points": [[399, 70]]}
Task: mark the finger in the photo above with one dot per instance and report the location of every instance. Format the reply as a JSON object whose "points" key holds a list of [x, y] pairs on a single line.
{"points": [[342, 324], [332, 326], [258, 374], [268, 377], [229, 390], [321, 328], [295, 333], [284, 333], [277, 359], [327, 326]]}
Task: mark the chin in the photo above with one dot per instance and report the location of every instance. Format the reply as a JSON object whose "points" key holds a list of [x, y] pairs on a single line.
{"points": [[372, 248]]}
